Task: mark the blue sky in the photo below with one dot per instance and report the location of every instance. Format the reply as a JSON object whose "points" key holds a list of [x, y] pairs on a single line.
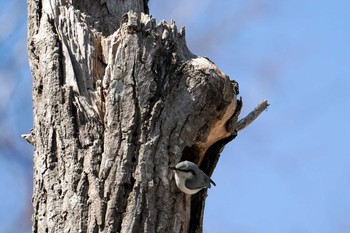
{"points": [[289, 171]]}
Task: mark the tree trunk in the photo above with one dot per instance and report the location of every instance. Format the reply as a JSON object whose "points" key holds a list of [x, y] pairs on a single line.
{"points": [[117, 99]]}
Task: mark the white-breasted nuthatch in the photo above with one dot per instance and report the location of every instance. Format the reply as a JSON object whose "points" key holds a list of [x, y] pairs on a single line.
{"points": [[189, 178]]}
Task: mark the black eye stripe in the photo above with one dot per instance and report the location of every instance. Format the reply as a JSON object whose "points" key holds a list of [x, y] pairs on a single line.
{"points": [[186, 170]]}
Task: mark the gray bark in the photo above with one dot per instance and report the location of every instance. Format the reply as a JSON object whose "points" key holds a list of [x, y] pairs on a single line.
{"points": [[117, 99]]}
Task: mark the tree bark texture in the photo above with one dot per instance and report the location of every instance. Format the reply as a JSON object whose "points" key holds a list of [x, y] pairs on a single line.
{"points": [[117, 99]]}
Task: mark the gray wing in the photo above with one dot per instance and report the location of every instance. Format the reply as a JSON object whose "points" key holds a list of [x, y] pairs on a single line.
{"points": [[199, 183]]}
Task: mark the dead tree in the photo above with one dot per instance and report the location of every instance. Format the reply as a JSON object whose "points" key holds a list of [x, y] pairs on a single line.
{"points": [[117, 99]]}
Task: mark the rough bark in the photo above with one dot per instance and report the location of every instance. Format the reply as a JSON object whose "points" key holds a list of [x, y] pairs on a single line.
{"points": [[117, 99]]}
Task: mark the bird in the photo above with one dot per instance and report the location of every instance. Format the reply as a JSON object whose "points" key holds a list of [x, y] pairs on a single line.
{"points": [[189, 178]]}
